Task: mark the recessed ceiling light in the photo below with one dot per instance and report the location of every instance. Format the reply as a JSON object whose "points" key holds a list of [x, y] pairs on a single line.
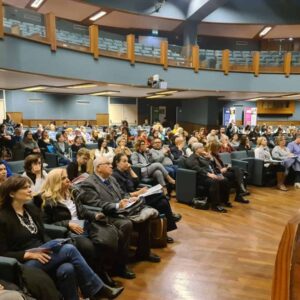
{"points": [[34, 88], [98, 15], [255, 99], [156, 96], [105, 93], [265, 31], [82, 86], [36, 3]]}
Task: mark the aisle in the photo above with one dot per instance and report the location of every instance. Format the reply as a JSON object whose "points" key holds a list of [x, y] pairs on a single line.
{"points": [[219, 256]]}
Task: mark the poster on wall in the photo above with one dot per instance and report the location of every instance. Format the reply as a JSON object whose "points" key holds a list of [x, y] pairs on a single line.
{"points": [[228, 115], [250, 116]]}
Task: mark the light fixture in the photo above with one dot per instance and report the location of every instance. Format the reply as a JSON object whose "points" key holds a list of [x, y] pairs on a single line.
{"points": [[34, 88], [36, 3], [265, 31], [166, 93], [291, 39], [105, 93], [255, 99], [156, 96], [82, 86], [98, 15]]}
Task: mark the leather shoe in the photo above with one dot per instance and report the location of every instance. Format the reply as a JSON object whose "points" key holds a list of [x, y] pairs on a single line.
{"points": [[170, 240], [107, 292], [125, 272], [228, 204], [219, 208], [246, 193], [151, 258], [240, 199], [107, 279], [177, 217]]}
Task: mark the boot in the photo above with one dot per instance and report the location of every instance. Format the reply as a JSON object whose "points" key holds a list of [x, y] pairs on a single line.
{"points": [[170, 179], [280, 181]]}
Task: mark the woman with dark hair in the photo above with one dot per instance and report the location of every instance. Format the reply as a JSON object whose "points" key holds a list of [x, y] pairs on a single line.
{"points": [[45, 143], [78, 167], [62, 149], [129, 182], [111, 139], [22, 237], [3, 172], [29, 144], [34, 171], [77, 144], [104, 150], [244, 144]]}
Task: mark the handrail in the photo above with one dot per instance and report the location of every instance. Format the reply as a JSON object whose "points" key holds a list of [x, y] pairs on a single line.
{"points": [[173, 55]]}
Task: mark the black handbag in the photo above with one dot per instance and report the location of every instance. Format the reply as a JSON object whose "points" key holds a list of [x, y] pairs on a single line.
{"points": [[104, 234]]}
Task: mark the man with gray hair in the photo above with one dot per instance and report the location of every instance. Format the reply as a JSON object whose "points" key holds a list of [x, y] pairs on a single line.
{"points": [[216, 184], [102, 190]]}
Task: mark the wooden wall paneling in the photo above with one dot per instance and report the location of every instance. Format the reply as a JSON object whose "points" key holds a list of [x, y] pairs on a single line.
{"points": [[94, 34], [276, 107], [50, 21], [17, 117], [195, 58], [102, 119], [164, 54], [130, 38]]}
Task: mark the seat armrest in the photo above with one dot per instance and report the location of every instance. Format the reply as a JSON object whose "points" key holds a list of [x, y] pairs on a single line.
{"points": [[93, 208], [9, 269], [55, 231]]}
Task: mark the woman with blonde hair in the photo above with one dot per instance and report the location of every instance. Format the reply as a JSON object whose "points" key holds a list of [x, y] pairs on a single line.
{"points": [[263, 152]]}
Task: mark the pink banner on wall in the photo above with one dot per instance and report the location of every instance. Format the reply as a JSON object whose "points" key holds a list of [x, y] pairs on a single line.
{"points": [[250, 116]]}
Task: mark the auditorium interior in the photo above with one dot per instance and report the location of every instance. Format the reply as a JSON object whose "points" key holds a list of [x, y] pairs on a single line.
{"points": [[213, 86]]}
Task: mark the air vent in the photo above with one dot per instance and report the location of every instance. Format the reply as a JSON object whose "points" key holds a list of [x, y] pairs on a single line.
{"points": [[83, 102]]}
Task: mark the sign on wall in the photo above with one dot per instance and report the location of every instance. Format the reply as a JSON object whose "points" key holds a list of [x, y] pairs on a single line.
{"points": [[229, 115], [250, 116]]}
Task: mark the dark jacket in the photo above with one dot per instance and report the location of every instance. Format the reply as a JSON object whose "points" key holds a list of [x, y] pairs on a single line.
{"points": [[127, 183], [199, 164], [72, 170], [59, 151], [58, 213], [15, 238]]}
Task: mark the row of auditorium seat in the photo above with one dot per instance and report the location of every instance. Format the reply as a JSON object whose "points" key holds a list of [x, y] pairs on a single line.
{"points": [[211, 58]]}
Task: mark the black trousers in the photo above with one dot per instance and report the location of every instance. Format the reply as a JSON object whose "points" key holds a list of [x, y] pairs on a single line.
{"points": [[160, 203], [218, 189], [235, 178], [143, 242]]}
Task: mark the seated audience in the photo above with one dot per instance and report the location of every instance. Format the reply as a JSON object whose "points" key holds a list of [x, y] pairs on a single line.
{"points": [[34, 171], [262, 152], [254, 134], [244, 144], [21, 230], [78, 167], [178, 150], [268, 134], [294, 148], [111, 139], [233, 174], [225, 145], [3, 172], [45, 143], [62, 149], [121, 147], [216, 185], [104, 150], [143, 136], [76, 145], [235, 141], [63, 209], [29, 145], [129, 181], [162, 154], [102, 190], [141, 158]]}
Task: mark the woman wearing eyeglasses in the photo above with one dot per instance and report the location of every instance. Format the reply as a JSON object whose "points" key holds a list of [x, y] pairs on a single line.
{"points": [[34, 171]]}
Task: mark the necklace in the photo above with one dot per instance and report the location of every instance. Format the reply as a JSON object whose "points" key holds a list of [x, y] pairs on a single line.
{"points": [[27, 222]]}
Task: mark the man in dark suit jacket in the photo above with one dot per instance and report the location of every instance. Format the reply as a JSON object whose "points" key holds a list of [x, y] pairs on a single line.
{"points": [[216, 184], [102, 190]]}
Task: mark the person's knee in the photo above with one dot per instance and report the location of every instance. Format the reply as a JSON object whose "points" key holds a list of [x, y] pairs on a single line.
{"points": [[65, 271]]}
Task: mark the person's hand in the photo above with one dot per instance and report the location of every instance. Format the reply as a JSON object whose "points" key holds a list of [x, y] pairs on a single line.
{"points": [[143, 190], [99, 216], [223, 170], [36, 150], [74, 227], [42, 256], [124, 202], [211, 175]]}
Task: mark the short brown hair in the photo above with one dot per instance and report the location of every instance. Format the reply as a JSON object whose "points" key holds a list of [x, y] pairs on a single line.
{"points": [[29, 160], [12, 184], [84, 152]]}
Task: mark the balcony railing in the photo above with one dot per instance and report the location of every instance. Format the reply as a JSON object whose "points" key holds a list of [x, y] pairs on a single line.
{"points": [[58, 32]]}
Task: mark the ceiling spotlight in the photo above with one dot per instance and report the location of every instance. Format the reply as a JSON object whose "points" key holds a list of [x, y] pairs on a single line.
{"points": [[105, 93], [156, 96], [36, 3], [265, 31], [98, 15], [166, 93], [34, 88], [82, 86]]}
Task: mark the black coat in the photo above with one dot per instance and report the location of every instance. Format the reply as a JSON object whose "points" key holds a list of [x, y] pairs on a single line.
{"points": [[15, 238], [198, 163], [72, 170]]}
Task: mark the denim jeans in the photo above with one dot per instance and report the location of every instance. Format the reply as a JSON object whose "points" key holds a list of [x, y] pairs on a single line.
{"points": [[172, 169], [70, 269]]}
